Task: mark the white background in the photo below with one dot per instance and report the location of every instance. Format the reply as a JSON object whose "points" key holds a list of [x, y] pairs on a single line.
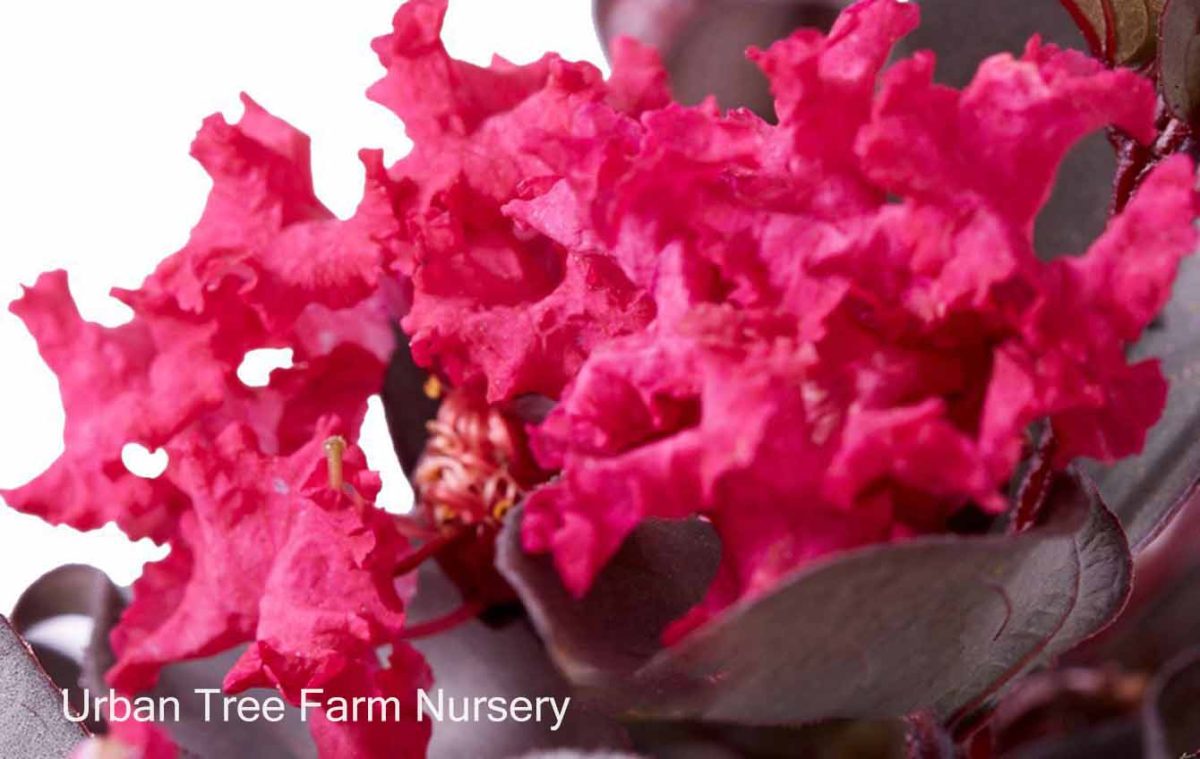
{"points": [[98, 104]]}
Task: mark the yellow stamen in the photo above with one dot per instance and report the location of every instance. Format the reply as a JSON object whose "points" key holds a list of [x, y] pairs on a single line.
{"points": [[501, 508], [433, 387], [335, 448]]}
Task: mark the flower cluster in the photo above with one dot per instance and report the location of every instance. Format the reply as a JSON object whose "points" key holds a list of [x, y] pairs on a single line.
{"points": [[498, 305], [263, 550], [818, 334]]}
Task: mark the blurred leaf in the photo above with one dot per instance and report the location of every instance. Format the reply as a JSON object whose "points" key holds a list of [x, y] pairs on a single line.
{"points": [[32, 723], [1146, 490], [1166, 626], [1119, 31], [1070, 712], [568, 753], [703, 44], [935, 624], [1172, 714], [661, 570], [925, 738], [1179, 58], [879, 739], [69, 589], [406, 405]]}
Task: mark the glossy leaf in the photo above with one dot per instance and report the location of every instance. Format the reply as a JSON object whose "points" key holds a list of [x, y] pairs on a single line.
{"points": [[937, 624], [32, 723], [1162, 619], [74, 589]]}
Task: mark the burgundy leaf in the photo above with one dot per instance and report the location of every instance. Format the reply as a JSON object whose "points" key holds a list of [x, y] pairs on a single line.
{"points": [[926, 739], [74, 589], [1071, 712], [1162, 620], [937, 624], [660, 571], [472, 659]]}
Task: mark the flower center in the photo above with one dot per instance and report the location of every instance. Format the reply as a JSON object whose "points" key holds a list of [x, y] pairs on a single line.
{"points": [[476, 463]]}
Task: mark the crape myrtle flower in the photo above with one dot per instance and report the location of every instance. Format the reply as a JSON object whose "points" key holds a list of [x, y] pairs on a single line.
{"points": [[266, 266], [265, 548], [498, 307], [818, 334]]}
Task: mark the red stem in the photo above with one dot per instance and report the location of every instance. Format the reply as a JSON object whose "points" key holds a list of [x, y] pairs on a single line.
{"points": [[430, 548], [1110, 32], [1089, 34], [465, 613], [411, 528]]}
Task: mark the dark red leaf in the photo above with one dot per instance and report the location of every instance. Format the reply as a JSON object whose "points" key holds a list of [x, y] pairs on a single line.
{"points": [[660, 571], [936, 624]]}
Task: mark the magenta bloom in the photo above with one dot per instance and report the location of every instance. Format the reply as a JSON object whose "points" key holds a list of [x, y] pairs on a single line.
{"points": [[853, 330], [497, 304], [819, 334], [263, 551]]}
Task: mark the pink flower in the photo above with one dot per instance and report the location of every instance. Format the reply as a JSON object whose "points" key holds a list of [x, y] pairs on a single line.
{"points": [[496, 304], [818, 334], [853, 328], [263, 550], [266, 267]]}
